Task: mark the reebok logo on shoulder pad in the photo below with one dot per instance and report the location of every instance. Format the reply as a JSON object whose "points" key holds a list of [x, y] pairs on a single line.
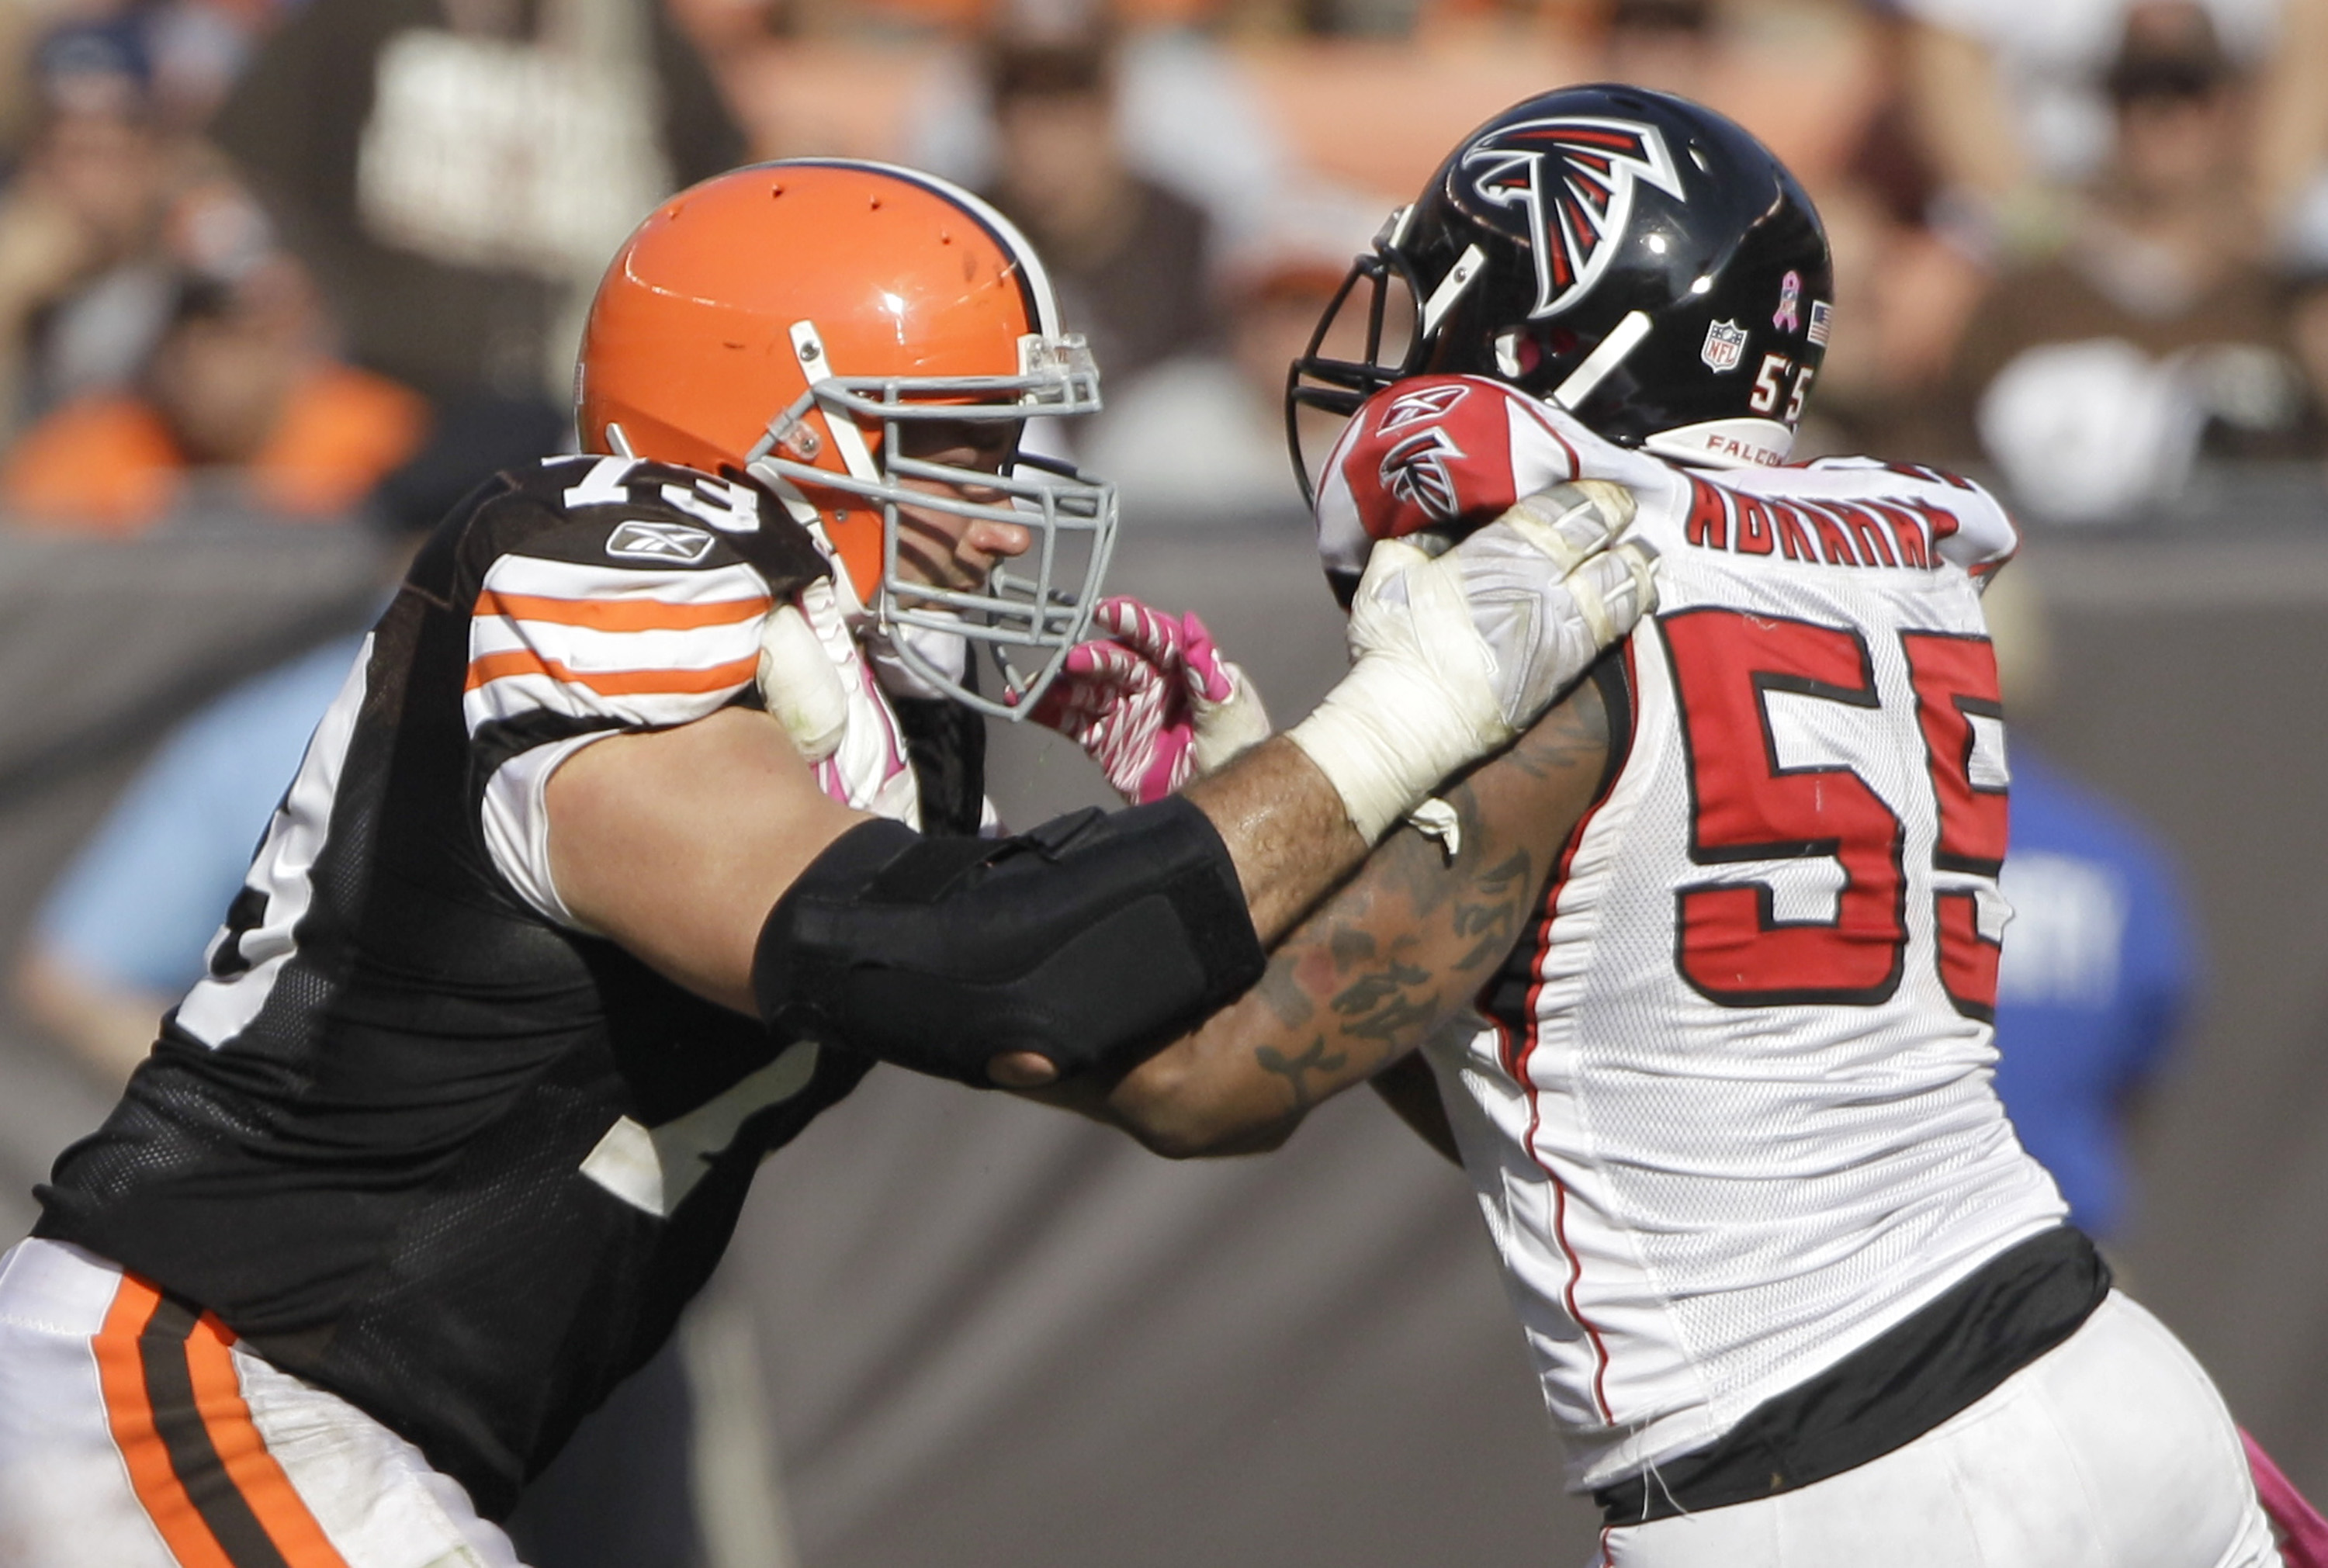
{"points": [[659, 541]]}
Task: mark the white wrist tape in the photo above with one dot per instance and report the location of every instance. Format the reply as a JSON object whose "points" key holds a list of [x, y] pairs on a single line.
{"points": [[1385, 737], [1453, 656], [800, 686], [1419, 702]]}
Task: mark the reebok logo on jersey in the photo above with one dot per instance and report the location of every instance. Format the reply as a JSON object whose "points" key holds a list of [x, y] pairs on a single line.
{"points": [[1412, 408], [659, 541]]}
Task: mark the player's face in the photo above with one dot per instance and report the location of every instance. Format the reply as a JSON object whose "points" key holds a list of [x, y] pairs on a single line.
{"points": [[939, 548]]}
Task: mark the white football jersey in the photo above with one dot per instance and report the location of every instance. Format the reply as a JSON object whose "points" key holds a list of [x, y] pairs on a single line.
{"points": [[1729, 1112]]}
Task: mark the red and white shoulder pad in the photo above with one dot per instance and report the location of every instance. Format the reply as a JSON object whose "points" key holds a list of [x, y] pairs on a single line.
{"points": [[1451, 453], [1971, 529]]}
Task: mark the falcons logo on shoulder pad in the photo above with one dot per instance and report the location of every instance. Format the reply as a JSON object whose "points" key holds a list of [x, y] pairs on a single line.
{"points": [[1569, 184], [1415, 472]]}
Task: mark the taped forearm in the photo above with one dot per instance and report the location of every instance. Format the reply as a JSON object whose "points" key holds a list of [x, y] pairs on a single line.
{"points": [[1385, 736], [1091, 941]]}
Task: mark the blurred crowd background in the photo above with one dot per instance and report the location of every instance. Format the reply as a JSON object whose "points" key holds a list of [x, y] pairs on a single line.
{"points": [[280, 279], [256, 254]]}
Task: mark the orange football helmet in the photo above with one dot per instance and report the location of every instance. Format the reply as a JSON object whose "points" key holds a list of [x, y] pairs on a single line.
{"points": [[785, 319]]}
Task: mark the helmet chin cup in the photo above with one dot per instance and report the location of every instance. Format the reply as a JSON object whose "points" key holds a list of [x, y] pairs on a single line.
{"points": [[1032, 607]]}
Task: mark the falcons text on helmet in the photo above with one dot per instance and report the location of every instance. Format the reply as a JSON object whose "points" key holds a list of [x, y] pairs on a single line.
{"points": [[1569, 182]]}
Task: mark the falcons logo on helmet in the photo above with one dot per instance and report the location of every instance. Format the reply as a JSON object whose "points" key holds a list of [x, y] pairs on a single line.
{"points": [[1570, 183]]}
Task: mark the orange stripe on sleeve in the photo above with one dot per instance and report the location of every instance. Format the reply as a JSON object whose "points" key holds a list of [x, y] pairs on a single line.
{"points": [[612, 683], [621, 615], [121, 1375], [255, 1472]]}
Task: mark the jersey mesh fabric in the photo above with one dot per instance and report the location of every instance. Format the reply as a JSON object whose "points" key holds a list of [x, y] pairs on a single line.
{"points": [[1700, 1203], [364, 1140]]}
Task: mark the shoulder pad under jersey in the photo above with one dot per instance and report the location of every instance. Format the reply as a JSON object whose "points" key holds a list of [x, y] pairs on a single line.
{"points": [[1983, 536], [1451, 453]]}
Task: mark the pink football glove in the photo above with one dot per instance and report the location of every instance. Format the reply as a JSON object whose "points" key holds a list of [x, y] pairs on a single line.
{"points": [[1152, 701]]}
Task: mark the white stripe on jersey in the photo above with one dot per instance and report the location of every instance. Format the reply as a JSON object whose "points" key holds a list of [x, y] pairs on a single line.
{"points": [[560, 580], [216, 1011], [645, 648], [515, 815], [693, 642], [589, 651]]}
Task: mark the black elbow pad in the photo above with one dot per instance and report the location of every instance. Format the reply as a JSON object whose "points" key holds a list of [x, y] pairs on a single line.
{"points": [[1091, 940]]}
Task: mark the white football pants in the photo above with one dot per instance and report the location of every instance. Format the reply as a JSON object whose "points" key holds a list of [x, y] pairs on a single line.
{"points": [[134, 1435], [2111, 1451]]}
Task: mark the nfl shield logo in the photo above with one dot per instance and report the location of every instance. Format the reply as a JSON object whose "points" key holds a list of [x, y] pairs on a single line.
{"points": [[1725, 345]]}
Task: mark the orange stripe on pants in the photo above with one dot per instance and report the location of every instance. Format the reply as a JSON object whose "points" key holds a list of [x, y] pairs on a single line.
{"points": [[122, 1376], [246, 1466], [253, 1471]]}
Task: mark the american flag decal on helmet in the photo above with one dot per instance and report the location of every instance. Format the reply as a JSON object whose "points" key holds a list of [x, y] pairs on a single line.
{"points": [[1570, 183]]}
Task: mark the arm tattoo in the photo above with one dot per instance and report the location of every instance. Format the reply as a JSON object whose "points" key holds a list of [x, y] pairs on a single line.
{"points": [[1349, 946], [1371, 974], [1495, 921], [1292, 1069], [1380, 986], [1385, 1002], [1285, 996]]}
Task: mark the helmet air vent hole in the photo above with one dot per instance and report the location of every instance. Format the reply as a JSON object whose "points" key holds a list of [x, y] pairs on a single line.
{"points": [[1697, 156]]}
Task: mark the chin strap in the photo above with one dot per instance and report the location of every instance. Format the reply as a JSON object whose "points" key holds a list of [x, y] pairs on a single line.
{"points": [[816, 368], [1606, 356]]}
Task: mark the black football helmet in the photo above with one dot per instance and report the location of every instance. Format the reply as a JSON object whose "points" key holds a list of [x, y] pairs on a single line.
{"points": [[1631, 256]]}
